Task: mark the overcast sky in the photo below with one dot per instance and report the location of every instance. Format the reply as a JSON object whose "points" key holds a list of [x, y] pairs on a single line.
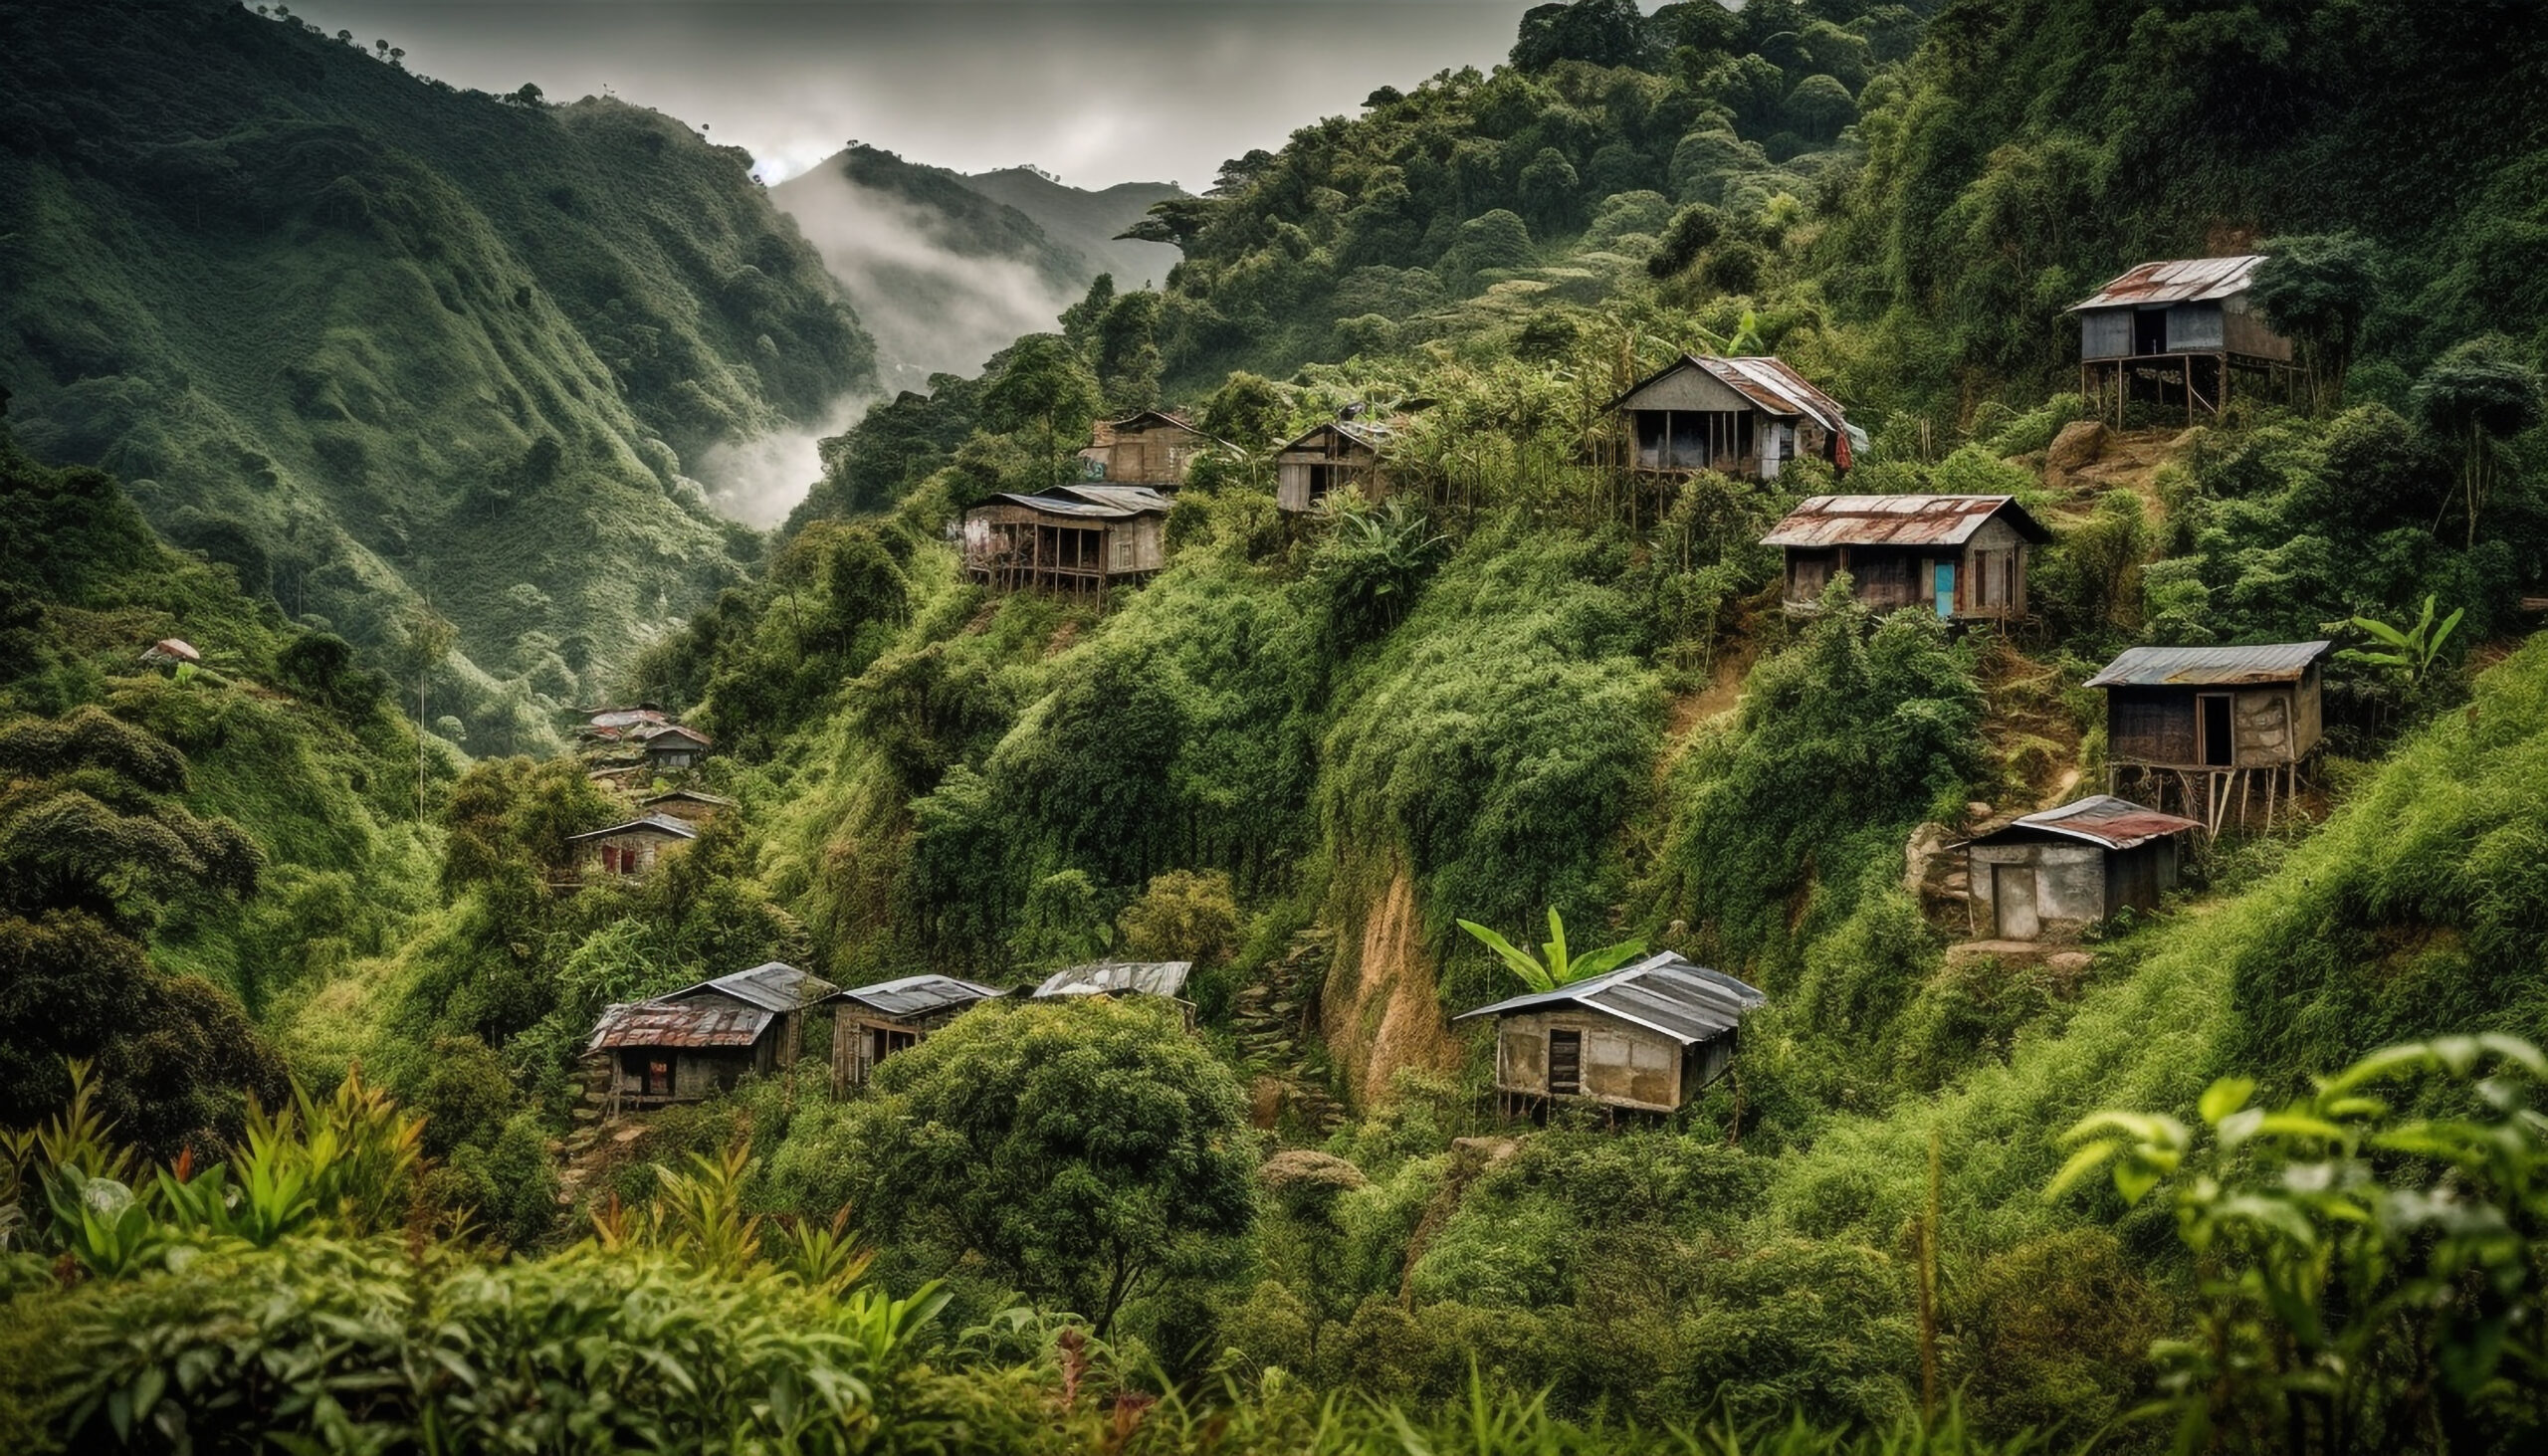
{"points": [[1098, 91]]}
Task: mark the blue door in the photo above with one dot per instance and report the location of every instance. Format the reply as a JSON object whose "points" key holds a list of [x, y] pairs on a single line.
{"points": [[1946, 589]]}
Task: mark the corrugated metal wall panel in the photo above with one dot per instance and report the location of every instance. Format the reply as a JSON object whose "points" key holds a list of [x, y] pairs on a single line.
{"points": [[2194, 327], [2105, 334]]}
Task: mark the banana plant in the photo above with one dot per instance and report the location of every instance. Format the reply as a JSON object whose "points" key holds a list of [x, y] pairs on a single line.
{"points": [[1555, 966], [2412, 650]]}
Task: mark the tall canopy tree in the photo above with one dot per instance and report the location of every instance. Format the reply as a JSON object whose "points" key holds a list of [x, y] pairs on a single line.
{"points": [[2315, 287]]}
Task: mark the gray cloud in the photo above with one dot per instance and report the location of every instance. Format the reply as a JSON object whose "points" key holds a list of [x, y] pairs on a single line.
{"points": [[1099, 92]]}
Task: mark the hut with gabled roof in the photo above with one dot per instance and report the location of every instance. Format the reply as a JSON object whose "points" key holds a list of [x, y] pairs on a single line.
{"points": [[1963, 557], [633, 848], [1150, 446], [1338, 456], [873, 1022], [1742, 417], [2223, 731], [2052, 875], [2177, 332], [1645, 1038], [690, 805], [1072, 539], [701, 1040]]}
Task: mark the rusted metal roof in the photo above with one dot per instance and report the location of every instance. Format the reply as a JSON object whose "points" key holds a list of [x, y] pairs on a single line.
{"points": [[651, 824], [1663, 993], [679, 1024], [674, 729], [2100, 819], [918, 995], [2209, 667], [2180, 281], [1770, 383], [1117, 978], [772, 986], [1898, 521]]}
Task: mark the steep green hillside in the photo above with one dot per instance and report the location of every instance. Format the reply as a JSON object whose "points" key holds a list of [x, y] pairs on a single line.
{"points": [[192, 849], [373, 342]]}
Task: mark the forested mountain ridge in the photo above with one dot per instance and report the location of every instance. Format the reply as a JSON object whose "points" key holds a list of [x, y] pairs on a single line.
{"points": [[374, 342], [948, 269]]}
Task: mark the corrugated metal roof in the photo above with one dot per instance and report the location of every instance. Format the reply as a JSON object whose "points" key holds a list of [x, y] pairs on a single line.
{"points": [[1085, 509], [1370, 434], [620, 717], [1663, 993], [2178, 281], [1117, 978], [1898, 521], [679, 1024], [655, 822], [674, 729], [774, 985], [1770, 383], [2209, 667], [2100, 819], [1135, 500], [918, 995]]}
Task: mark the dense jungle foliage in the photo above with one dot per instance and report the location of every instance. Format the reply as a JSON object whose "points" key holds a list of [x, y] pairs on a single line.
{"points": [[2262, 1171], [378, 344]]}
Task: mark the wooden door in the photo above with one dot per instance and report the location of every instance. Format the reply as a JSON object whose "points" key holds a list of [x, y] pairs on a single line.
{"points": [[2012, 898], [1566, 1063]]}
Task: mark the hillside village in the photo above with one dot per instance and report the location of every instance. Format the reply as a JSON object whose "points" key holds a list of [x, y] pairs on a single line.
{"points": [[1808, 728]]}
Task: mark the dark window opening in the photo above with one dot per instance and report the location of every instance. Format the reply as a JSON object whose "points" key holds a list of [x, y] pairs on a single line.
{"points": [[2150, 332]]}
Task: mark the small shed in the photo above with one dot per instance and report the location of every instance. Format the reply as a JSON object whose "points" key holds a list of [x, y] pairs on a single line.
{"points": [[1342, 455], [1151, 448], [1744, 417], [2227, 728], [773, 987], [661, 1052], [171, 650], [2176, 331], [1963, 557], [633, 848], [1079, 538], [2051, 875], [673, 747], [689, 806], [1645, 1038], [870, 1023]]}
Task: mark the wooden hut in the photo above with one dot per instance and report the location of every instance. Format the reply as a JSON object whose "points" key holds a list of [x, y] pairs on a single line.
{"points": [[663, 1052], [633, 848], [1342, 455], [2227, 728], [2177, 333], [2051, 875], [673, 747], [1078, 538], [775, 986], [174, 651], [1645, 1038], [870, 1023], [690, 805], [702, 1039], [1745, 418], [1963, 557], [1151, 448]]}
